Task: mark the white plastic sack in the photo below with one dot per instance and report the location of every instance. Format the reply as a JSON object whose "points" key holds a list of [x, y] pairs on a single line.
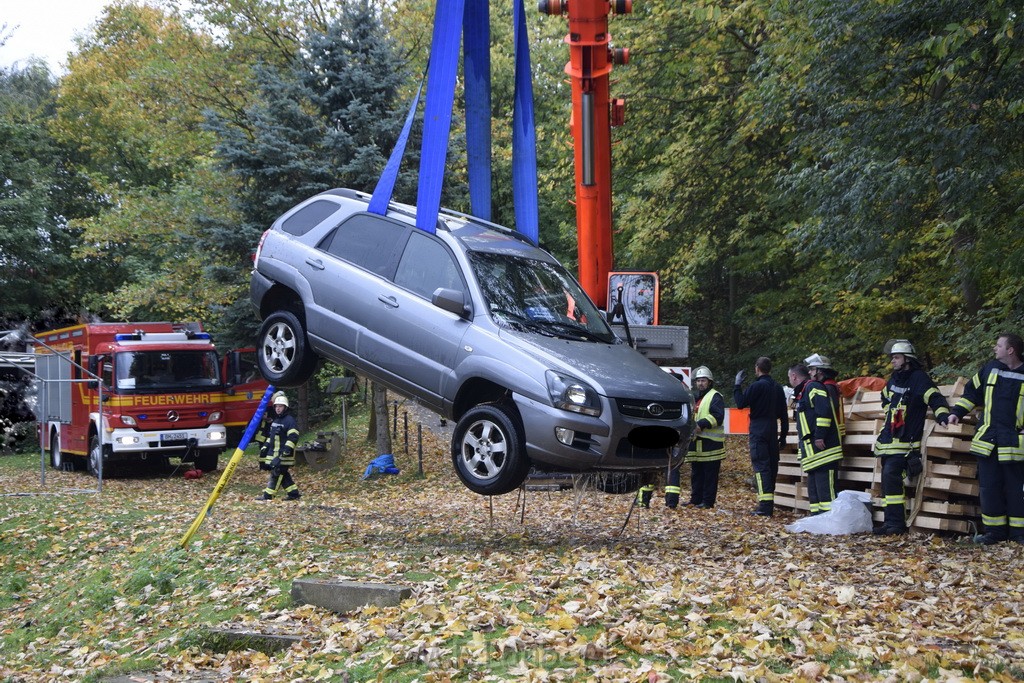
{"points": [[849, 515]]}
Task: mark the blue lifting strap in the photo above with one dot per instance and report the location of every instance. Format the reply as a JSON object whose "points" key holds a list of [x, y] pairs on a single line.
{"points": [[476, 68], [441, 73], [524, 135], [437, 115], [386, 183]]}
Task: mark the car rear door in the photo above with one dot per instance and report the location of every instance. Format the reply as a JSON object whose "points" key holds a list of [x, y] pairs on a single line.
{"points": [[356, 260]]}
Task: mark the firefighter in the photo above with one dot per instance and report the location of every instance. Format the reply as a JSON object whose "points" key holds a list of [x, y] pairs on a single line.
{"points": [[820, 425], [767, 402], [707, 449], [998, 389], [278, 451], [263, 433], [905, 399]]}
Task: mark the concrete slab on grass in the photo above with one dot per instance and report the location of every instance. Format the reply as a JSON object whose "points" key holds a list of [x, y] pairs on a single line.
{"points": [[347, 596], [225, 639]]}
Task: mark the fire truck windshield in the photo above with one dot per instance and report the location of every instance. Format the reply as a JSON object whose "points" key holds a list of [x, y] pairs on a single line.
{"points": [[167, 371]]}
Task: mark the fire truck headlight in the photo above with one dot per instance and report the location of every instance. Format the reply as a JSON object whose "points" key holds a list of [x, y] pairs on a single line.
{"points": [[215, 435], [127, 440], [129, 420], [215, 416]]}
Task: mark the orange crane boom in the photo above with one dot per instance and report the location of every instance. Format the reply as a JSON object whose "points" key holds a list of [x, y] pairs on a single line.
{"points": [[593, 114]]}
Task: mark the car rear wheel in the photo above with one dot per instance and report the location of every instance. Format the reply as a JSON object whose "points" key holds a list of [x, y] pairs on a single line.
{"points": [[488, 450], [284, 356]]}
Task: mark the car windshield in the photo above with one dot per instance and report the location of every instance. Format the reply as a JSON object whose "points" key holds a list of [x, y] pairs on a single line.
{"points": [[164, 371], [537, 296]]}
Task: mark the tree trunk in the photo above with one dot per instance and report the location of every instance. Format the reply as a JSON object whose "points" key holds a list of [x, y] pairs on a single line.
{"points": [[302, 414], [379, 430], [963, 245]]}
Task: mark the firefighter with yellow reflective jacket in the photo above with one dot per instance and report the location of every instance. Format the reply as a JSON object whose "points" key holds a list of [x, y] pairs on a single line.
{"points": [[998, 389], [819, 424], [278, 439], [905, 399], [707, 449]]}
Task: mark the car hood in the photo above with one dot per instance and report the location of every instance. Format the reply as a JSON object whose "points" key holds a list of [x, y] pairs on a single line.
{"points": [[615, 370]]}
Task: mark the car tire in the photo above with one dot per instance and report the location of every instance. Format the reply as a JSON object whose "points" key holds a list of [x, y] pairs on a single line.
{"points": [[489, 451], [284, 356]]}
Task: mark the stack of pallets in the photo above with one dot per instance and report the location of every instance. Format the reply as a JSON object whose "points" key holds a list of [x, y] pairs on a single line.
{"points": [[943, 498]]}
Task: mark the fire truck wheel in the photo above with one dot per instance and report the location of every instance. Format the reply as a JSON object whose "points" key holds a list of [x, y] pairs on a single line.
{"points": [[56, 457], [208, 459], [95, 455], [66, 463], [284, 355]]}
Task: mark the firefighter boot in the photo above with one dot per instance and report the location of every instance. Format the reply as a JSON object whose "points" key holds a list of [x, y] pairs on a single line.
{"points": [[644, 495], [895, 521], [671, 499], [992, 535], [766, 508]]}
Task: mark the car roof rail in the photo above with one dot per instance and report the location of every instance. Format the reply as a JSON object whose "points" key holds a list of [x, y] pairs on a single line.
{"points": [[469, 218], [348, 193], [410, 211]]}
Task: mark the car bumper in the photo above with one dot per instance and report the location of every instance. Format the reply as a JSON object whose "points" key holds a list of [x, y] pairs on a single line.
{"points": [[611, 441], [123, 441], [259, 285]]}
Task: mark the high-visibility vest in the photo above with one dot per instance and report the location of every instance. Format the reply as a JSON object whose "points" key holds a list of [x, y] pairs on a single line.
{"points": [[709, 445]]}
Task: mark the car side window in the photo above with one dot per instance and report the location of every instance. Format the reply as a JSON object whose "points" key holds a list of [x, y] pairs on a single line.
{"points": [[308, 217], [368, 241], [427, 265]]}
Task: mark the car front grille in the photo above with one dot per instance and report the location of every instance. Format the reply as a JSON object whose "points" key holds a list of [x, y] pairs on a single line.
{"points": [[646, 410]]}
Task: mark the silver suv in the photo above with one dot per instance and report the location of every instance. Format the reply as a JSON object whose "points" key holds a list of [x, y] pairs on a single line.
{"points": [[475, 323]]}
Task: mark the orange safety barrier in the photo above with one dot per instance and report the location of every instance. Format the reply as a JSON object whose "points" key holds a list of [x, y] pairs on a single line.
{"points": [[848, 387], [737, 420]]}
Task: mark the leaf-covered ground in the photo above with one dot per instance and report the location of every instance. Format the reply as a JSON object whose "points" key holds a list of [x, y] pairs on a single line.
{"points": [[95, 585]]}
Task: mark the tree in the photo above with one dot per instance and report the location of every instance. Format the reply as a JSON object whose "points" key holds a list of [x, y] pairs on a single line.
{"points": [[907, 149], [330, 119], [39, 194], [695, 172]]}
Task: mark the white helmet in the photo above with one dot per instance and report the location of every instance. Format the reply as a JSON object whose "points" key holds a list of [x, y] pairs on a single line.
{"points": [[281, 400], [816, 360], [703, 373], [903, 346]]}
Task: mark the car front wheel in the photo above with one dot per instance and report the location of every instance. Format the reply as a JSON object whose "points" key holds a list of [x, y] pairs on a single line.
{"points": [[488, 450], [284, 356]]}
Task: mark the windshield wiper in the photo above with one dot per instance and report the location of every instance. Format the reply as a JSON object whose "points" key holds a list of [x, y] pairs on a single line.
{"points": [[521, 321], [570, 330]]}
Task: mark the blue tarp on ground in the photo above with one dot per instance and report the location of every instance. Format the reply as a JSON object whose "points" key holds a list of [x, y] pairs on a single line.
{"points": [[382, 464]]}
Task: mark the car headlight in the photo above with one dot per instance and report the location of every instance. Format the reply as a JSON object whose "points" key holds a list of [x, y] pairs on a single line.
{"points": [[569, 393]]}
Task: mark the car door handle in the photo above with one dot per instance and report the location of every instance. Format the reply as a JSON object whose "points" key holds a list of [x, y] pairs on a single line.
{"points": [[316, 263], [389, 301]]}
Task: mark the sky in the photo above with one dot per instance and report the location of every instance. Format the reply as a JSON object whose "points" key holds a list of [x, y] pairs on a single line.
{"points": [[44, 29]]}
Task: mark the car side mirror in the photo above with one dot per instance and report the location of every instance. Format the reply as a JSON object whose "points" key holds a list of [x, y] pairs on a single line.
{"points": [[451, 300]]}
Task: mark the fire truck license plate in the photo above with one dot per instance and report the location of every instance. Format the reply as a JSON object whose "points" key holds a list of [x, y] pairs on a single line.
{"points": [[174, 436]]}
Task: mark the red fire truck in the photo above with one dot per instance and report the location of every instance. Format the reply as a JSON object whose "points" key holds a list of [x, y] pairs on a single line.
{"points": [[163, 389]]}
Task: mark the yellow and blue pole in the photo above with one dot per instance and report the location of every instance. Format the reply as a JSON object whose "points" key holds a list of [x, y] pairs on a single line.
{"points": [[236, 457]]}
